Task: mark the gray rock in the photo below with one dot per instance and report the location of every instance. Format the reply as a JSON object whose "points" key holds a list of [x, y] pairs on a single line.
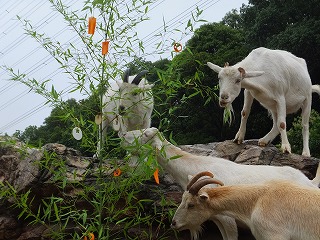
{"points": [[19, 166]]}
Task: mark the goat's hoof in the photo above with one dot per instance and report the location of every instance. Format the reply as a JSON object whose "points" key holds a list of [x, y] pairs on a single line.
{"points": [[286, 148], [262, 144], [286, 151], [237, 141], [306, 154]]}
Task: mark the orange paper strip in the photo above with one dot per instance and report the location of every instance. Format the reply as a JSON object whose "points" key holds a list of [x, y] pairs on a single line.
{"points": [[92, 25], [156, 176], [105, 47]]}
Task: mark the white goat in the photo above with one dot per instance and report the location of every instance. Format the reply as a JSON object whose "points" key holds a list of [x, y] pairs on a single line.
{"points": [[184, 164], [275, 210], [128, 105], [279, 81]]}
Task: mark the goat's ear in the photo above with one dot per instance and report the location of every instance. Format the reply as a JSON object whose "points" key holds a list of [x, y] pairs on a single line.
{"points": [[251, 74], [204, 196], [214, 67], [147, 86], [242, 72], [190, 177]]}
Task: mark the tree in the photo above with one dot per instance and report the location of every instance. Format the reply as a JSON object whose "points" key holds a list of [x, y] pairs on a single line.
{"points": [[287, 25], [30, 135], [300, 39]]}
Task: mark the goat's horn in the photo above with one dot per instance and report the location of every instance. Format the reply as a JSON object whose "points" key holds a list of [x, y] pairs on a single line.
{"points": [[201, 183], [197, 176], [226, 64], [126, 75], [139, 76]]}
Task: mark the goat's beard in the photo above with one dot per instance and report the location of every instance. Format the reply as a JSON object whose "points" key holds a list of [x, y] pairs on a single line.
{"points": [[195, 232]]}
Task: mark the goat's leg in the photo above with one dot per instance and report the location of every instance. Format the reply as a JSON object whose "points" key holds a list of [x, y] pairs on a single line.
{"points": [[248, 100], [316, 180], [305, 116], [227, 227], [263, 230], [273, 132], [282, 125]]}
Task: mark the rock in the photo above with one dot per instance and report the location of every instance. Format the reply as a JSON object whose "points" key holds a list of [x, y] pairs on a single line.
{"points": [[9, 227], [19, 166], [250, 153]]}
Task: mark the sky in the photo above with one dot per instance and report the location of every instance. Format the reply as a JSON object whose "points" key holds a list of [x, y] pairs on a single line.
{"points": [[20, 107]]}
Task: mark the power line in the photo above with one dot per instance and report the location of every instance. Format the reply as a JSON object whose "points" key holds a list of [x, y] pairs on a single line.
{"points": [[31, 70], [23, 117], [32, 10], [8, 9], [41, 23], [37, 108]]}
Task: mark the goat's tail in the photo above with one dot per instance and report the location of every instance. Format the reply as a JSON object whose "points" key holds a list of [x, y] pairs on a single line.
{"points": [[316, 180], [316, 89]]}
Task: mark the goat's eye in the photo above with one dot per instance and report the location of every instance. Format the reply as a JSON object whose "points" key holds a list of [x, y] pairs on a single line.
{"points": [[190, 205], [238, 80]]}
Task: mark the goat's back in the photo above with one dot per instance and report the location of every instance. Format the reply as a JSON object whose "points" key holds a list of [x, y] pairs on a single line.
{"points": [[277, 64], [289, 209], [285, 75]]}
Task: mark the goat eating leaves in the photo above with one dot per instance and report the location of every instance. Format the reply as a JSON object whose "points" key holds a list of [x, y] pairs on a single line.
{"points": [[127, 105], [275, 210], [279, 81]]}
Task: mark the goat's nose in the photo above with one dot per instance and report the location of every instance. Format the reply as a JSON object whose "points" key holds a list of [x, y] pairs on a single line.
{"points": [[121, 110], [224, 96]]}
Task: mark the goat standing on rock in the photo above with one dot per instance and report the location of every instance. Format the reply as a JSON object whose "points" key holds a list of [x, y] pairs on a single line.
{"points": [[275, 210], [279, 81]]}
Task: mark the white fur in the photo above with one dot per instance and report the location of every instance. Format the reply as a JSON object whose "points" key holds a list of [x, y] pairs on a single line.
{"points": [[279, 81], [137, 101], [276, 210], [316, 180], [227, 171]]}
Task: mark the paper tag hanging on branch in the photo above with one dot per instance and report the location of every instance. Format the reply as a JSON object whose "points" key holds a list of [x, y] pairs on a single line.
{"points": [[105, 47], [177, 47], [92, 25], [77, 133], [117, 172], [98, 119]]}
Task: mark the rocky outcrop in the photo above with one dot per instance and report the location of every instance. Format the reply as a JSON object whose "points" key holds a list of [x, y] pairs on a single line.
{"points": [[250, 153], [20, 167]]}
